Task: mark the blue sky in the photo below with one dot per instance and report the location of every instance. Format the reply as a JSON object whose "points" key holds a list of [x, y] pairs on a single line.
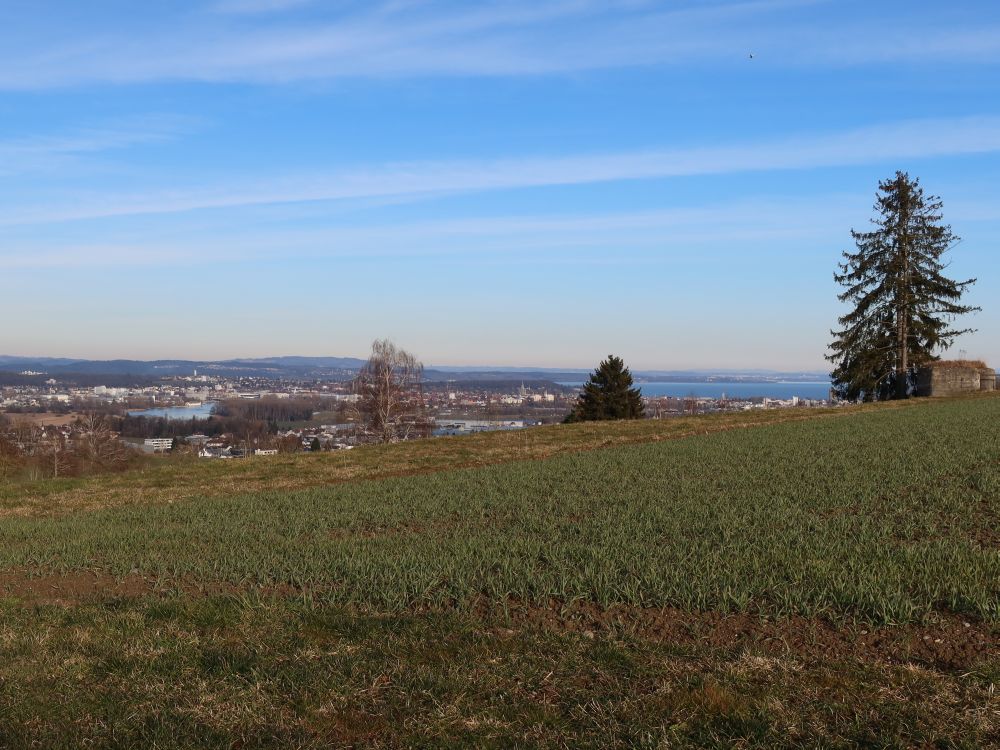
{"points": [[510, 183]]}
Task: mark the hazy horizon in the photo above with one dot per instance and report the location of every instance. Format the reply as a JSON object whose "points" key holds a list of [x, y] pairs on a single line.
{"points": [[460, 366]]}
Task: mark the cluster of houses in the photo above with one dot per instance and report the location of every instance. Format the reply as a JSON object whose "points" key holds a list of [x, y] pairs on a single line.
{"points": [[185, 391], [324, 438]]}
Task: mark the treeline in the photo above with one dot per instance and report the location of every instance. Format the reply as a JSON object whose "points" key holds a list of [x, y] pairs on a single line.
{"points": [[78, 379], [275, 409], [85, 405], [245, 418], [158, 427], [49, 407]]}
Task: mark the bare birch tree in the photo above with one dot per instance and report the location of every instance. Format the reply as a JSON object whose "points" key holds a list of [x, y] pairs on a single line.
{"points": [[58, 459], [390, 390], [99, 444]]}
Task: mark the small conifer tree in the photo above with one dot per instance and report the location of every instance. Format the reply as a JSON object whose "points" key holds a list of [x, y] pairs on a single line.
{"points": [[608, 395]]}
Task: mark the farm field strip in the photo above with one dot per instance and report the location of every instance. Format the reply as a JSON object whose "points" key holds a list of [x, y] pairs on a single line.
{"points": [[173, 480], [889, 516]]}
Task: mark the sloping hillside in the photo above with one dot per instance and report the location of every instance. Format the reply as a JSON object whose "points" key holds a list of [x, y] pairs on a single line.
{"points": [[824, 577]]}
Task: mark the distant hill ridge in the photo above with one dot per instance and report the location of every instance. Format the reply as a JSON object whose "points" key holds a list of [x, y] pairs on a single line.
{"points": [[339, 368]]}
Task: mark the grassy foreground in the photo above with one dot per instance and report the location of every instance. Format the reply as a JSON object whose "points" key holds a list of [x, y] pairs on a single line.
{"points": [[833, 580]]}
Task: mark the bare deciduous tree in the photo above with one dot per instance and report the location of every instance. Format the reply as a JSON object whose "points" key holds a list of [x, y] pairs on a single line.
{"points": [[10, 455], [99, 444], [26, 435], [390, 390], [57, 455]]}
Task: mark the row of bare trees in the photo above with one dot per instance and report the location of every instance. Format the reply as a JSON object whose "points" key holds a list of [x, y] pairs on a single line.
{"points": [[273, 410], [32, 451]]}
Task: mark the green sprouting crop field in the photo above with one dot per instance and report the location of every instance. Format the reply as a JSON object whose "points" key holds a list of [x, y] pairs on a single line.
{"points": [[827, 581]]}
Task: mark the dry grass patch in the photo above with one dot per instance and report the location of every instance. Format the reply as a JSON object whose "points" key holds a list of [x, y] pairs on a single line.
{"points": [[957, 364]]}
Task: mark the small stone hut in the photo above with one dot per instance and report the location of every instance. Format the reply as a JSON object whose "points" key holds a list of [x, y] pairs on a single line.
{"points": [[955, 377]]}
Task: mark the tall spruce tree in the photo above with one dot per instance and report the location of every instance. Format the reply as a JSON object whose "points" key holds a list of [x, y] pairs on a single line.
{"points": [[904, 306], [608, 395]]}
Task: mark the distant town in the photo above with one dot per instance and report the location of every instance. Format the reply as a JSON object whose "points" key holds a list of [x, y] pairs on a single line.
{"points": [[221, 416]]}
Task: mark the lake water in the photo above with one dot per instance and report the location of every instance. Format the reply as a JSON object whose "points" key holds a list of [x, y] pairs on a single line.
{"points": [[204, 411], [716, 389]]}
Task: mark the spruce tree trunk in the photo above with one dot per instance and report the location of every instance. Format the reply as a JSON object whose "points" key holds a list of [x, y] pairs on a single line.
{"points": [[901, 380], [901, 349], [903, 302]]}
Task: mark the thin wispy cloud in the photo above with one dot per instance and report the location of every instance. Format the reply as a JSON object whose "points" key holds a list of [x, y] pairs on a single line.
{"points": [[674, 230], [20, 155], [272, 41], [257, 6], [891, 142]]}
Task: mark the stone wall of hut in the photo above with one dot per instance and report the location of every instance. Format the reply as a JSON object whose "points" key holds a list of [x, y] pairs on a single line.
{"points": [[987, 379], [954, 381]]}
